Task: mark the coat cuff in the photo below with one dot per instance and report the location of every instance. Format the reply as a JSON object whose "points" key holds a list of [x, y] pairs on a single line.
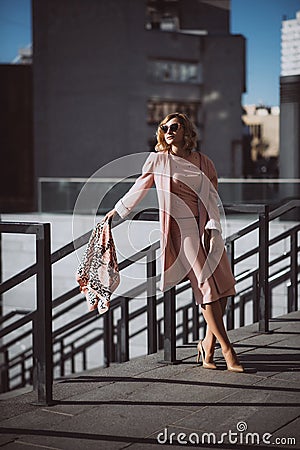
{"points": [[121, 209], [213, 224]]}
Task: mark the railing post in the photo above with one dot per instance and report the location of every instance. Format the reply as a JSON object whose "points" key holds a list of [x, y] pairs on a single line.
{"points": [[230, 303], [185, 325], [42, 323], [108, 338], [255, 297], [151, 302], [196, 324], [289, 298], [23, 371], [169, 326], [294, 272], [264, 294], [62, 359], [72, 358], [84, 360], [123, 332], [4, 371], [242, 310]]}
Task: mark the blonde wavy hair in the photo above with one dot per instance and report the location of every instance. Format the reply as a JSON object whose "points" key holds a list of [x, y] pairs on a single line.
{"points": [[190, 134]]}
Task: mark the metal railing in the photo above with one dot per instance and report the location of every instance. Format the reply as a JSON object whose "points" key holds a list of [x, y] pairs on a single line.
{"points": [[40, 318], [54, 350]]}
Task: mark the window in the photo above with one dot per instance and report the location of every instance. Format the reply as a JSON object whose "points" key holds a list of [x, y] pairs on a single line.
{"points": [[174, 71], [255, 130], [158, 109]]}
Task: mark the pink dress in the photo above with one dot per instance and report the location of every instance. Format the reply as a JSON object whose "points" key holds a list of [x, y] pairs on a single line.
{"points": [[184, 229]]}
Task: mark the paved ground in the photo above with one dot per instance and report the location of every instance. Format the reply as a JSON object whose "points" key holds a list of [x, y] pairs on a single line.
{"points": [[139, 404]]}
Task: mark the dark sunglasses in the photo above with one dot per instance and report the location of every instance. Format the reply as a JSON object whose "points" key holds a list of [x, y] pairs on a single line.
{"points": [[173, 127]]}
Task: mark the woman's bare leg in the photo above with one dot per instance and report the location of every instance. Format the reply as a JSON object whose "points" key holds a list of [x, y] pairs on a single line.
{"points": [[209, 340], [213, 315]]}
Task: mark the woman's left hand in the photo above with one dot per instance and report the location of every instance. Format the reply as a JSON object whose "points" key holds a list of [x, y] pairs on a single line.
{"points": [[216, 243], [110, 214]]}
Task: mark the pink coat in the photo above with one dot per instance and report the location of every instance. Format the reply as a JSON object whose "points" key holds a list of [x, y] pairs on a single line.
{"points": [[156, 170]]}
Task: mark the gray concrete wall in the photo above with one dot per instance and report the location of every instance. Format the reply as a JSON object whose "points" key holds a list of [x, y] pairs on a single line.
{"points": [[223, 85], [289, 160], [87, 79], [210, 15]]}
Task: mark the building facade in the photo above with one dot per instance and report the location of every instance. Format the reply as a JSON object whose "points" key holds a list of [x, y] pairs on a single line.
{"points": [[106, 72], [263, 150], [290, 99], [290, 46]]}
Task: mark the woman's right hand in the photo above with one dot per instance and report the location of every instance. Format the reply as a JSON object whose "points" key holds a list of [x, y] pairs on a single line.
{"points": [[110, 214]]}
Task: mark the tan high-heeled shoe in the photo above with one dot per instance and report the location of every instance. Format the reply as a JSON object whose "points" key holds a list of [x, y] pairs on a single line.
{"points": [[206, 365], [233, 365]]}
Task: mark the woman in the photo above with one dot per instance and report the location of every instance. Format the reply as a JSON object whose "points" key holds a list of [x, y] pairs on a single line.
{"points": [[191, 240]]}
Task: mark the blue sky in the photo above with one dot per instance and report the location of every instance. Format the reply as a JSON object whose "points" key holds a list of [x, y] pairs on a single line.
{"points": [[15, 27], [258, 20]]}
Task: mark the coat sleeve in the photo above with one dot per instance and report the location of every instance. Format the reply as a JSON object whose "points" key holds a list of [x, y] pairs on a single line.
{"points": [[214, 221], [138, 191]]}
